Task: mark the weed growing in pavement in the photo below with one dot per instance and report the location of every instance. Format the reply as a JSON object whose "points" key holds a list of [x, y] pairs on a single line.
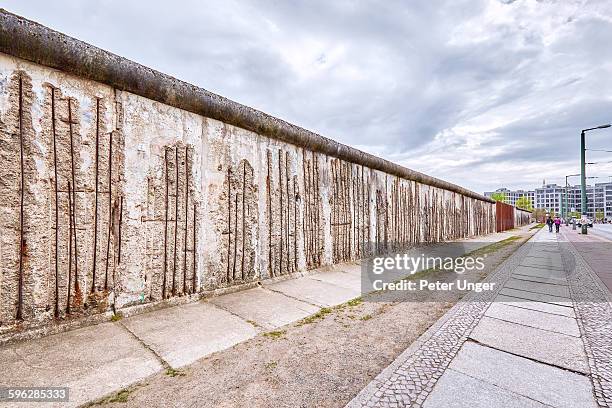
{"points": [[171, 372], [276, 334], [317, 316]]}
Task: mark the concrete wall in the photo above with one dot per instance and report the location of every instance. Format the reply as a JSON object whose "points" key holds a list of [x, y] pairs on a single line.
{"points": [[129, 201]]}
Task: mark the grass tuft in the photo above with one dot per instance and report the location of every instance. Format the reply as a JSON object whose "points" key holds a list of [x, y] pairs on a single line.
{"points": [[171, 372], [317, 316], [276, 334]]}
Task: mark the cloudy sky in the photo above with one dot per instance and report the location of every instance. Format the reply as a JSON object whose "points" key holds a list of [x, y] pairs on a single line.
{"points": [[483, 93]]}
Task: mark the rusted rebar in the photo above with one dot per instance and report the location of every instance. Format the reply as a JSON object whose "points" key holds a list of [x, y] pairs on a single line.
{"points": [[74, 187], [229, 223], [269, 201], [176, 205], [165, 227], [193, 276], [22, 247], [235, 236], [96, 171], [119, 232], [243, 218], [54, 136], [69, 248], [186, 219], [110, 206], [280, 208]]}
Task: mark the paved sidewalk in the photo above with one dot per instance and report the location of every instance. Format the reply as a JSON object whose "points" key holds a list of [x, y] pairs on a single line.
{"points": [[542, 339], [595, 248], [98, 360]]}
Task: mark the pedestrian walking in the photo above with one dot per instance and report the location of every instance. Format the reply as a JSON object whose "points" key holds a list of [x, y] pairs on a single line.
{"points": [[549, 222], [557, 224]]}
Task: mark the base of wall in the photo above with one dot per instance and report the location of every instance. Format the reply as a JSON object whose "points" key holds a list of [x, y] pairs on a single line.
{"points": [[32, 331]]}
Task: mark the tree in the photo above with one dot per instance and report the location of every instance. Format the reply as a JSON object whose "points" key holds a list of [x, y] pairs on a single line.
{"points": [[499, 197], [525, 203], [599, 215]]}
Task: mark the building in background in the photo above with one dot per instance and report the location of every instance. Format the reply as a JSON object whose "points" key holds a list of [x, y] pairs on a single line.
{"points": [[551, 197], [512, 195]]}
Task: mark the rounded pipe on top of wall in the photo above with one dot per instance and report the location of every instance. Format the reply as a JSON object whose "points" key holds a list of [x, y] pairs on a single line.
{"points": [[34, 42]]}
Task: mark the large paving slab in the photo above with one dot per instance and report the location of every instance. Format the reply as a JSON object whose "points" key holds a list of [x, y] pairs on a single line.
{"points": [[537, 287], [541, 272], [537, 297], [551, 259], [266, 308], [540, 306], [92, 362], [547, 263], [551, 280], [534, 318], [314, 291], [543, 383], [186, 333], [457, 390], [350, 281], [552, 348]]}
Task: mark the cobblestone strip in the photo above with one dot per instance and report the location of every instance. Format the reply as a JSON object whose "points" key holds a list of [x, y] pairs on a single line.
{"points": [[407, 383], [594, 315]]}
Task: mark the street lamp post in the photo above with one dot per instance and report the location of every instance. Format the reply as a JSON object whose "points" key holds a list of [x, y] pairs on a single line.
{"points": [[566, 201], [565, 206], [583, 197]]}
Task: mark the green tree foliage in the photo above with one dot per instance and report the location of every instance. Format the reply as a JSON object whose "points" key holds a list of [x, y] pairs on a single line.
{"points": [[524, 203], [499, 197]]}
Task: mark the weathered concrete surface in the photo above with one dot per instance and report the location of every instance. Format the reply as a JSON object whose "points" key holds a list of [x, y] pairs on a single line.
{"points": [[459, 390], [537, 287], [315, 292], [183, 334], [552, 348], [539, 306], [538, 297], [91, 361], [265, 308], [342, 279], [533, 318], [540, 382]]}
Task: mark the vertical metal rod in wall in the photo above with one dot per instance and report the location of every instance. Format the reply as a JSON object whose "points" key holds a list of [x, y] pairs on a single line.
{"points": [[110, 206], [280, 188], [119, 232], [235, 236], [295, 225], [54, 134], [74, 187], [193, 276], [165, 228], [243, 216], [288, 211], [229, 223], [19, 314], [268, 190], [96, 189], [69, 248], [305, 211], [186, 219], [176, 200]]}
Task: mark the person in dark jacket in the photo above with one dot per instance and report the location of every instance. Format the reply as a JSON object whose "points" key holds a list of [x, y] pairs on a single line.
{"points": [[549, 222]]}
